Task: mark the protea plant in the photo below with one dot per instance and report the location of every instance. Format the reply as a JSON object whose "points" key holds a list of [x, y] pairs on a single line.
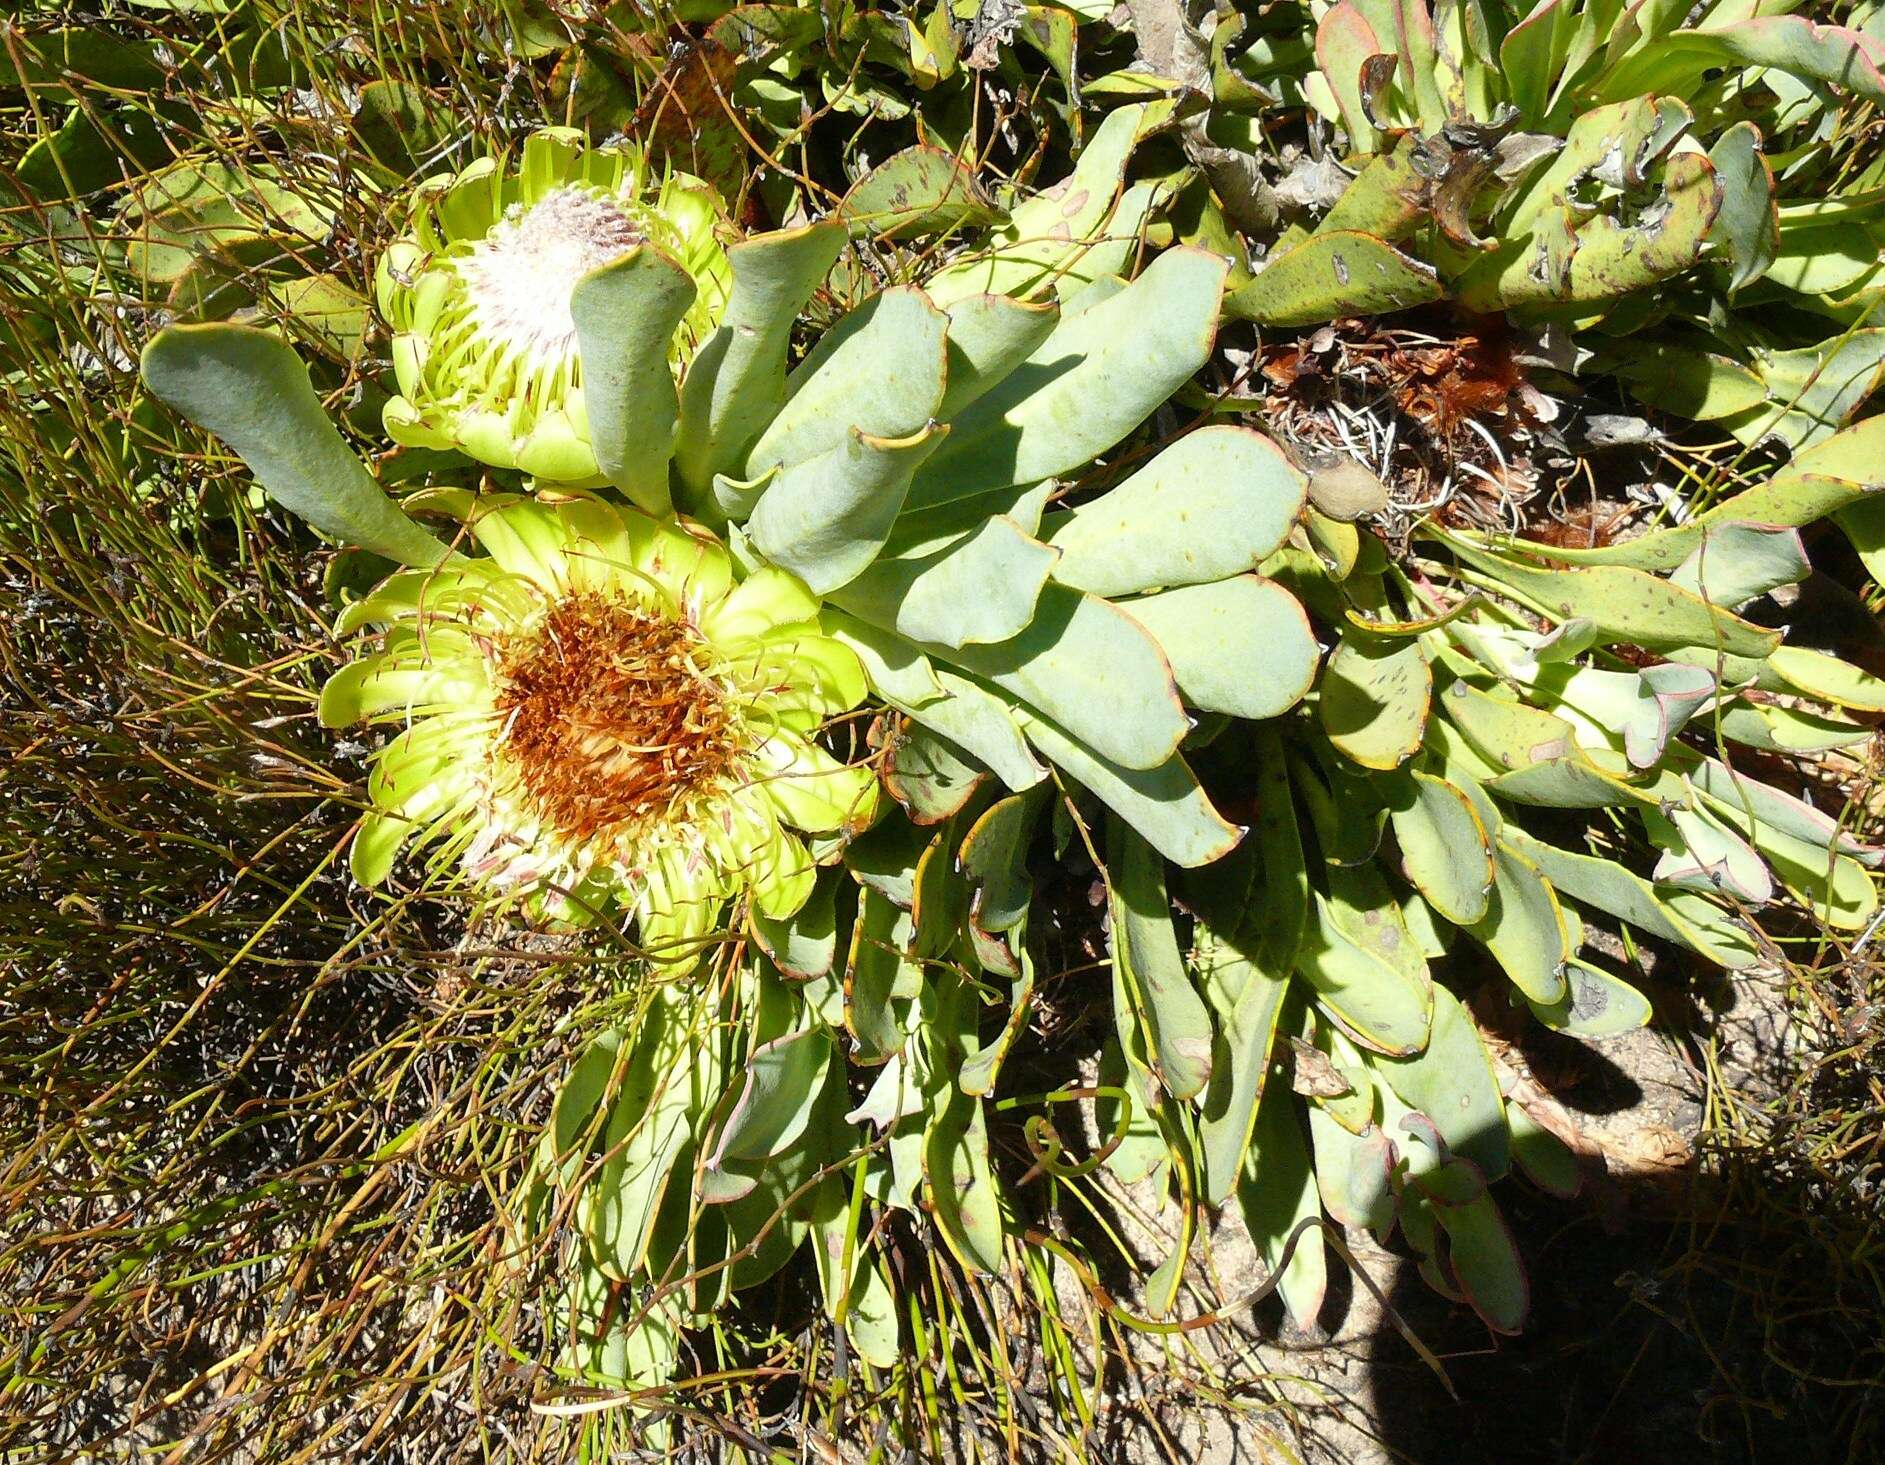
{"points": [[485, 346], [1069, 639], [597, 713]]}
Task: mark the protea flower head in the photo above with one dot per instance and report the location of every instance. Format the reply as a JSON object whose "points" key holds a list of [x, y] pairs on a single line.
{"points": [[598, 712], [478, 295]]}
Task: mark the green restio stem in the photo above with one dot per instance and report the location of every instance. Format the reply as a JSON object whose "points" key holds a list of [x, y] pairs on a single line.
{"points": [[250, 389]]}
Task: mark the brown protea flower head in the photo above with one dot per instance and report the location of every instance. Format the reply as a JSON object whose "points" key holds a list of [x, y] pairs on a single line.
{"points": [[599, 712]]}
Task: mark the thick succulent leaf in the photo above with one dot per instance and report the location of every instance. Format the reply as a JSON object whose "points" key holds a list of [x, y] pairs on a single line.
{"points": [[765, 1227], [1446, 853], [1571, 258], [994, 859], [626, 313], [1619, 144], [1100, 374], [1451, 1081], [1241, 646], [1142, 1150], [1822, 677], [884, 858], [1277, 1193], [1375, 697], [1699, 854], [921, 190], [1524, 927], [1594, 1005], [783, 1079], [1678, 61], [1345, 808], [1485, 1261], [1624, 605], [878, 976], [1736, 562], [940, 898], [1376, 1000], [1354, 1170], [1047, 236], [878, 371], [1864, 524], [1824, 257], [964, 713], [1345, 44], [1533, 54], [1150, 969], [1165, 804], [858, 1299], [826, 518], [251, 390], [989, 336], [1215, 503], [1606, 886], [195, 216], [1340, 273], [1432, 935], [1544, 1158], [1115, 251], [921, 530], [592, 1078], [1250, 908], [736, 381], [1747, 229], [1726, 789], [1835, 886], [981, 587], [961, 1184], [640, 1351], [1776, 729], [1387, 200], [1813, 392], [806, 943], [927, 774], [1648, 708], [984, 724], [57, 57], [670, 1076], [1703, 385], [1364, 908], [1507, 734], [1094, 670]]}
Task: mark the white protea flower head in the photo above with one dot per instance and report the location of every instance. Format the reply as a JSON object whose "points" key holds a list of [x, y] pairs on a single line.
{"points": [[598, 712], [478, 295]]}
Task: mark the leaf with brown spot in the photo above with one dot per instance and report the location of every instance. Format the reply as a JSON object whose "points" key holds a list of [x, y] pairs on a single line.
{"points": [[686, 117]]}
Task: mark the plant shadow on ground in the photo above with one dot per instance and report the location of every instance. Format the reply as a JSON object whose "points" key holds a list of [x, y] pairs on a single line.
{"points": [[1709, 1296], [1719, 1305]]}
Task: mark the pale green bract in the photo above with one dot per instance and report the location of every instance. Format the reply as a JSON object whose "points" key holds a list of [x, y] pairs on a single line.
{"points": [[478, 296]]}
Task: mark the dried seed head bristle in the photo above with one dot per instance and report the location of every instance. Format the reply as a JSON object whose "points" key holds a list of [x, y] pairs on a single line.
{"points": [[520, 276], [1445, 422], [609, 718]]}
